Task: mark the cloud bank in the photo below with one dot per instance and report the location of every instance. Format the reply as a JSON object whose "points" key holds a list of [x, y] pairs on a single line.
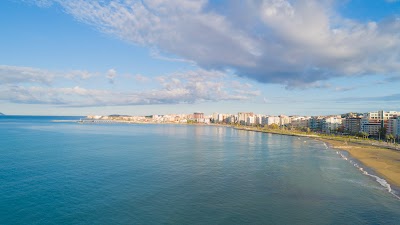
{"points": [[294, 43], [38, 86]]}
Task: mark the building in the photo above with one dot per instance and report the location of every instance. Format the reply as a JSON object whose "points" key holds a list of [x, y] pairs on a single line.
{"points": [[284, 120], [269, 120], [371, 126], [398, 127], [392, 126], [250, 120], [231, 119], [331, 124], [259, 120], [299, 122], [352, 124], [242, 117], [381, 115], [315, 123], [198, 115]]}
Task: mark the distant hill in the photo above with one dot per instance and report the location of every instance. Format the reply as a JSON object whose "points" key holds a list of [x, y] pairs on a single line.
{"points": [[1, 114]]}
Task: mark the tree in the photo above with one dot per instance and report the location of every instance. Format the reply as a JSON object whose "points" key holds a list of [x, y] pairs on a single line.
{"points": [[390, 138], [364, 135], [274, 126], [382, 132]]}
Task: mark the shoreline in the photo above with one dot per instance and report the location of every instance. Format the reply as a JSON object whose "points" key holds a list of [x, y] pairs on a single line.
{"points": [[383, 162]]}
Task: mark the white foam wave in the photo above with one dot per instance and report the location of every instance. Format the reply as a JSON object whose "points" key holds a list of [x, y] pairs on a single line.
{"points": [[326, 146], [381, 181]]}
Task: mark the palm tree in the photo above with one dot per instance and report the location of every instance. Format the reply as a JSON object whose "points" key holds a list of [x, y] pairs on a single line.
{"points": [[392, 138]]}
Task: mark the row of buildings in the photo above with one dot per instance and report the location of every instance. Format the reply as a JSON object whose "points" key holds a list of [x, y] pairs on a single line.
{"points": [[372, 123]]}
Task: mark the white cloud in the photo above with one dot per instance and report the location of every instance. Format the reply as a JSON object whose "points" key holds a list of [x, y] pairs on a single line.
{"points": [[295, 43], [15, 74], [34, 86], [111, 74], [29, 75]]}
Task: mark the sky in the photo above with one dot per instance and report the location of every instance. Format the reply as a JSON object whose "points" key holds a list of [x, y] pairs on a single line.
{"points": [[142, 57]]}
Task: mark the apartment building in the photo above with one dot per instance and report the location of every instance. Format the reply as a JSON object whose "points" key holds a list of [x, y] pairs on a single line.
{"points": [[331, 123], [352, 124]]}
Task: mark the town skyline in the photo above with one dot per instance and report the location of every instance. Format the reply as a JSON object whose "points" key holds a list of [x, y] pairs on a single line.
{"points": [[375, 124], [300, 57]]}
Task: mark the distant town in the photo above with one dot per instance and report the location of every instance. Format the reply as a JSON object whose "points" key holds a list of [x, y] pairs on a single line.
{"points": [[379, 124]]}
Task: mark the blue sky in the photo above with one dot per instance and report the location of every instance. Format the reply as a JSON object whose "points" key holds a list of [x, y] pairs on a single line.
{"points": [[82, 57]]}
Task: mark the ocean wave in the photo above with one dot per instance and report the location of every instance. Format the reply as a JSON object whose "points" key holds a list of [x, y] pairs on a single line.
{"points": [[380, 180]]}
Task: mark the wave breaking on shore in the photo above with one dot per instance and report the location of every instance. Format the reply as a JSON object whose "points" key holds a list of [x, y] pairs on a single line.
{"points": [[380, 180]]}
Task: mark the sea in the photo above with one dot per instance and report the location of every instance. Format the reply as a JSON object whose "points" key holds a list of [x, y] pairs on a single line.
{"points": [[54, 170]]}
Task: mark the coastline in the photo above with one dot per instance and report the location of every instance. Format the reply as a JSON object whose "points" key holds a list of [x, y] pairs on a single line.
{"points": [[382, 161]]}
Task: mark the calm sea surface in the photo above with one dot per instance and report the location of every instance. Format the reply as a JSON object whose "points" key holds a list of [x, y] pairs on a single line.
{"points": [[69, 173]]}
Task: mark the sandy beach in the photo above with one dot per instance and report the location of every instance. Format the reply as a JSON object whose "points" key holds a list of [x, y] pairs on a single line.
{"points": [[384, 162]]}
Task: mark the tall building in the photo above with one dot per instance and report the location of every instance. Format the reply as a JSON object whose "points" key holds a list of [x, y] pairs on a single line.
{"points": [[299, 121], [198, 115], [242, 117], [381, 115], [315, 123], [259, 120], [284, 120], [393, 126], [250, 120], [371, 126], [398, 127], [269, 120], [352, 124], [331, 123]]}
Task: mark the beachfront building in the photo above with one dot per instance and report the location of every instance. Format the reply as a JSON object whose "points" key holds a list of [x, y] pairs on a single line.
{"points": [[315, 123], [242, 117], [371, 126], [250, 120], [221, 117], [198, 115], [352, 124], [331, 124], [284, 120], [269, 120], [381, 115], [392, 126], [398, 128], [231, 119], [214, 117], [259, 119], [299, 122]]}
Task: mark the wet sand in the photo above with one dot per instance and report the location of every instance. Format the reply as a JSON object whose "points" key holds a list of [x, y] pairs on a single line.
{"points": [[384, 162]]}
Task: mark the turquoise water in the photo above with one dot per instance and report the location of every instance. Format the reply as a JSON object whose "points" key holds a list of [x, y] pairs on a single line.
{"points": [[69, 173]]}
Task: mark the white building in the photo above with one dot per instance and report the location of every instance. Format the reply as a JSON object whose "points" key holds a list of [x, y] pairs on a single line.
{"points": [[250, 120], [331, 123], [371, 126], [242, 117], [269, 120], [283, 120], [299, 121], [259, 120], [381, 115]]}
